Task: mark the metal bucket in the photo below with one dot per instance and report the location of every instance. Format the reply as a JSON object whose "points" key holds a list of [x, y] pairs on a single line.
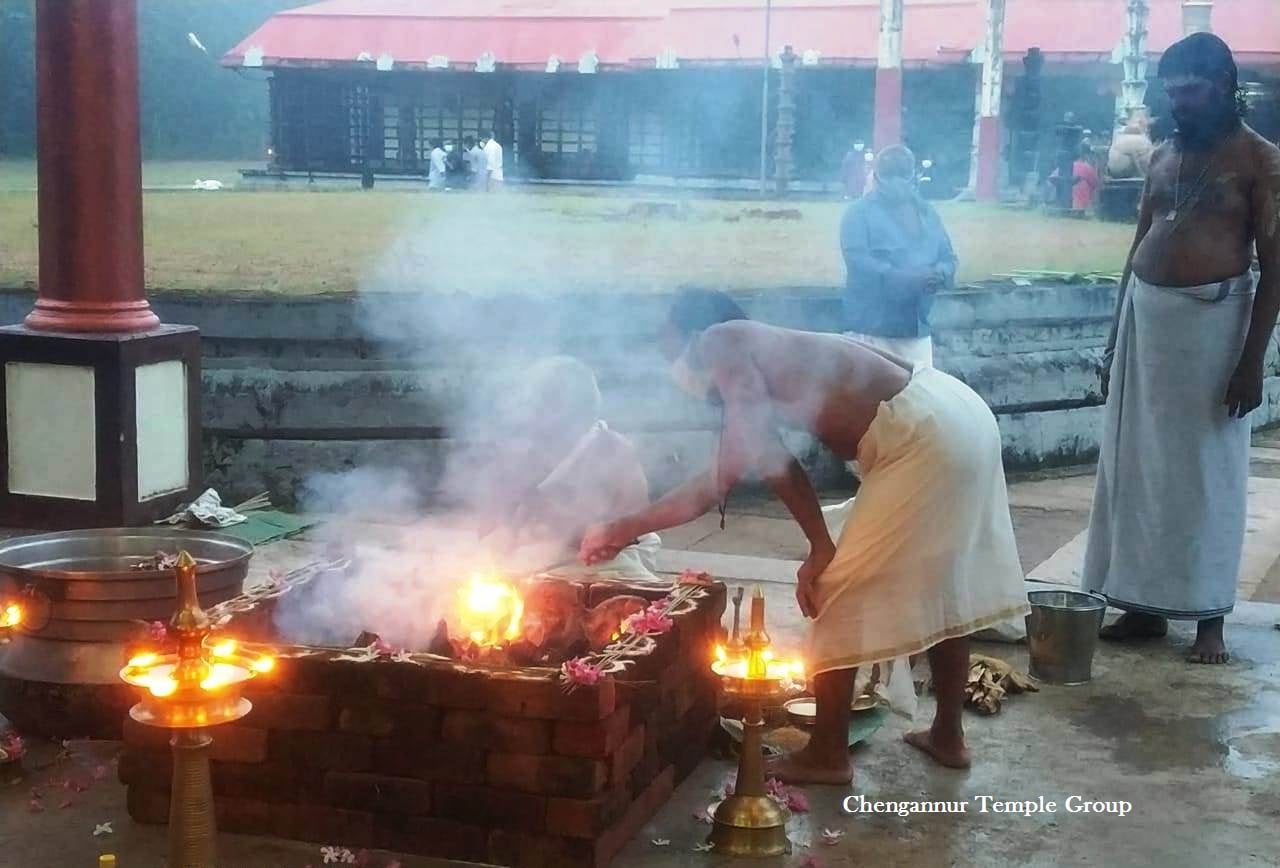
{"points": [[87, 599], [1062, 632]]}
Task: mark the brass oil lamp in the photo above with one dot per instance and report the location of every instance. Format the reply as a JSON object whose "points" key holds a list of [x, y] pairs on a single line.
{"points": [[750, 822], [188, 691]]}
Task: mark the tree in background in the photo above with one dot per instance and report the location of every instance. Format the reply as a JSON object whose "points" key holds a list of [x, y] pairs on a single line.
{"points": [[192, 108]]}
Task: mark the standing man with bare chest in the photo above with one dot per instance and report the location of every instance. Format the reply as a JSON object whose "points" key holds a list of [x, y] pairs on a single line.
{"points": [[1184, 364]]}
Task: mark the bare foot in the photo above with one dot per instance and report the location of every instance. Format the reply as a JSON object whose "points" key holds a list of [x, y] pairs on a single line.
{"points": [[1135, 625], [949, 751], [806, 767], [1209, 647]]}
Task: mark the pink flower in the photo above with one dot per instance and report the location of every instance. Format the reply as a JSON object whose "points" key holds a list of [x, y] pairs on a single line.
{"points": [[652, 621], [158, 631], [695, 577], [580, 673], [383, 649], [13, 747], [793, 799], [811, 862]]}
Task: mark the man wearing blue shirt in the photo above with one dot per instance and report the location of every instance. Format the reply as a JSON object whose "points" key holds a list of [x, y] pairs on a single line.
{"points": [[897, 256]]}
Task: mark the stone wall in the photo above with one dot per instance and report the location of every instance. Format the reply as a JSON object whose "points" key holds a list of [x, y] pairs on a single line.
{"points": [[295, 386]]}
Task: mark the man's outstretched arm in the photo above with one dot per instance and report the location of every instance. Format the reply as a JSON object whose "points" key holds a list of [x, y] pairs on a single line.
{"points": [[1244, 393]]}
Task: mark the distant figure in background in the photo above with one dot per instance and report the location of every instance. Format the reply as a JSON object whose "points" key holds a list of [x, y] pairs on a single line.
{"points": [[456, 171], [438, 169], [477, 164], [1131, 149], [1185, 362], [853, 171], [1084, 180], [897, 256], [493, 160]]}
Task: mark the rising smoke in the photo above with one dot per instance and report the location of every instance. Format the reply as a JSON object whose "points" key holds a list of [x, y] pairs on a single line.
{"points": [[431, 303]]}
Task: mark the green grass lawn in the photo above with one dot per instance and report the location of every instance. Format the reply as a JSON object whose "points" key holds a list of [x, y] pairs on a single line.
{"points": [[530, 240]]}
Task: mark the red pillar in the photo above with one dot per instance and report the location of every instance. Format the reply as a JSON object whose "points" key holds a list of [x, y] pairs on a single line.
{"points": [[887, 128], [89, 169], [987, 187]]}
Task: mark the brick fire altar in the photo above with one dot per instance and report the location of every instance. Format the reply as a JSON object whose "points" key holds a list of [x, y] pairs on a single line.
{"points": [[440, 758]]}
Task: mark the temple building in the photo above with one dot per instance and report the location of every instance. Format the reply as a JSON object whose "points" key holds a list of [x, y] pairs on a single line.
{"points": [[672, 90]]}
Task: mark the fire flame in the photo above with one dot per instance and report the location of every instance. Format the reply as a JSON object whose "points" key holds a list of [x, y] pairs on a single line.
{"points": [[490, 611], [12, 616]]}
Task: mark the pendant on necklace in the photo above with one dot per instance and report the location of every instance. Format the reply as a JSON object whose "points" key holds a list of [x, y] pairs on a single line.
{"points": [[1172, 215]]}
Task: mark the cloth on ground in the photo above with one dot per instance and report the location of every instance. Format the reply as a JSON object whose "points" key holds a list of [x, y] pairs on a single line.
{"points": [[207, 509], [1167, 528], [927, 552]]}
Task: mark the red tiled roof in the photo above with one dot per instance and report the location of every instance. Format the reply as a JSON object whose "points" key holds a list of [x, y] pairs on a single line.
{"points": [[526, 33]]}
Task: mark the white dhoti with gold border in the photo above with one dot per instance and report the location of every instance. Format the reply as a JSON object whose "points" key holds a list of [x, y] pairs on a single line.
{"points": [[928, 552]]}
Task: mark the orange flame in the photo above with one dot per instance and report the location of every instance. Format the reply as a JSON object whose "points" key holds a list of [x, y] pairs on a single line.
{"points": [[11, 617], [490, 611]]}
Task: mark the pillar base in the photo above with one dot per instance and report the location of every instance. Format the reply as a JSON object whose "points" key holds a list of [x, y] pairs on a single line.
{"points": [[99, 430], [54, 315]]}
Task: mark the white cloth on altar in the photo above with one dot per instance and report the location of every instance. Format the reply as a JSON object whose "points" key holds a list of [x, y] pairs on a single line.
{"points": [[1166, 533], [927, 552]]}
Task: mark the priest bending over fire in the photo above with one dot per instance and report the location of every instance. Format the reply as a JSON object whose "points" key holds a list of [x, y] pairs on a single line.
{"points": [[927, 555], [561, 469]]}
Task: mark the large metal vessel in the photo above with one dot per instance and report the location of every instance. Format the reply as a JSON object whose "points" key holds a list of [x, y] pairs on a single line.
{"points": [[87, 590]]}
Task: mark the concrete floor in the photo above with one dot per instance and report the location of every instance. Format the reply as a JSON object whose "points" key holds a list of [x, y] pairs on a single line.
{"points": [[1196, 750]]}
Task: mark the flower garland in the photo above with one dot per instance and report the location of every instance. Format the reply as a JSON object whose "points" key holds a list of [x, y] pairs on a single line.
{"points": [[637, 634]]}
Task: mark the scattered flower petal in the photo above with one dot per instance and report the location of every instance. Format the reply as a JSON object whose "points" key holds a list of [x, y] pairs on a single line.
{"points": [[102, 829], [831, 837], [704, 848], [661, 842], [100, 773], [65, 803], [811, 861], [35, 806], [703, 817]]}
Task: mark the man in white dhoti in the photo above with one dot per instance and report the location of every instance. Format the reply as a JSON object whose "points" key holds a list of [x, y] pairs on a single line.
{"points": [[1184, 364], [927, 555], [493, 163], [437, 169]]}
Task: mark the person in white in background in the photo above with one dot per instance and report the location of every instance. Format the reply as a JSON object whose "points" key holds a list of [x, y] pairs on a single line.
{"points": [[493, 158], [436, 174], [477, 163]]}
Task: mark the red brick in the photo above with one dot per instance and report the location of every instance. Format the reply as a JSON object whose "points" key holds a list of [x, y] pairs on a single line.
{"points": [[322, 676], [329, 751], [638, 813], [238, 744], [586, 818], [324, 825], [507, 734], [146, 805], [528, 696], [378, 793], [271, 781], [382, 718], [572, 777], [151, 769], [290, 711], [490, 807], [429, 761], [430, 836], [245, 816], [402, 682], [143, 736], [627, 756], [595, 739], [457, 688]]}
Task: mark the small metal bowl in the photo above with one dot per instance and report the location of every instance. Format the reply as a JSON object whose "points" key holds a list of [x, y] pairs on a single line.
{"points": [[804, 710]]}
